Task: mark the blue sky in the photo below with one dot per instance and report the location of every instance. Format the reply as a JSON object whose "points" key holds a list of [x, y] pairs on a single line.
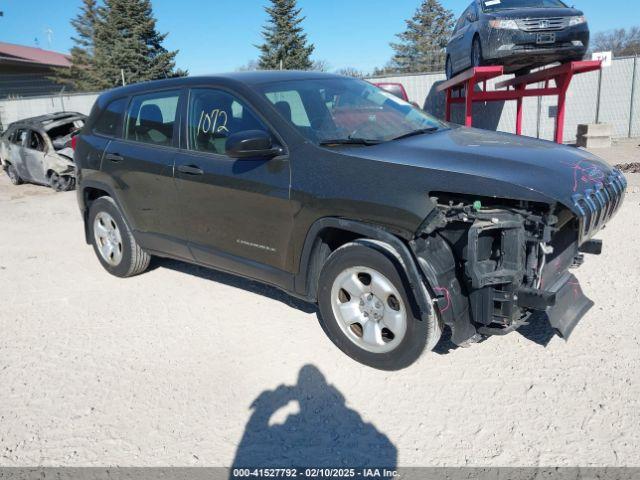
{"points": [[218, 35]]}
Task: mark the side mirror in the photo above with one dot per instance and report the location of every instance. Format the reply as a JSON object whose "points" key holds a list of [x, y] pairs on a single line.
{"points": [[251, 144]]}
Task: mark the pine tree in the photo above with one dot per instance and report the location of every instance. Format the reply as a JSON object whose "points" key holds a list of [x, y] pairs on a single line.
{"points": [[77, 77], [127, 42], [421, 46], [285, 43]]}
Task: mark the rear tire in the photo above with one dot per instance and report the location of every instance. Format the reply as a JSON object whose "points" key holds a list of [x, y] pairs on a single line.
{"points": [[366, 310], [13, 175], [113, 242]]}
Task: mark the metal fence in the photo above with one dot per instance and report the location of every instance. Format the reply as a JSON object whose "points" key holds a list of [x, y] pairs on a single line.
{"points": [[611, 95], [13, 110]]}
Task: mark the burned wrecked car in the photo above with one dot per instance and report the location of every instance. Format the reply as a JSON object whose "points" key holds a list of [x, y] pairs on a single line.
{"points": [[395, 224], [39, 150], [519, 34]]}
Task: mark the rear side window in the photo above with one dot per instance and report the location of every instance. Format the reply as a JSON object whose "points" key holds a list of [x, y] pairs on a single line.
{"points": [[151, 118], [110, 118]]}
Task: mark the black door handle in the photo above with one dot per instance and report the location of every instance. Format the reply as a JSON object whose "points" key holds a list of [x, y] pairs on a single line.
{"points": [[190, 169], [114, 157]]}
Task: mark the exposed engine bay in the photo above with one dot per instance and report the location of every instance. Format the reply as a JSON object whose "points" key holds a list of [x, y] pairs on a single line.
{"points": [[499, 261]]}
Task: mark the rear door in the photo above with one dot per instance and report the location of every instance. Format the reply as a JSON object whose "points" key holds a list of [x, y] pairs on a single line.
{"points": [[33, 157], [140, 167], [459, 51], [237, 213]]}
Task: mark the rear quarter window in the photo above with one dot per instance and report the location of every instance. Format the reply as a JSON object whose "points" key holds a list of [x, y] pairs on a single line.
{"points": [[110, 119]]}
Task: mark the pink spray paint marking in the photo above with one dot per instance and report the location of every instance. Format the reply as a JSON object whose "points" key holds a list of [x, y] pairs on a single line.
{"points": [[447, 295], [590, 174]]}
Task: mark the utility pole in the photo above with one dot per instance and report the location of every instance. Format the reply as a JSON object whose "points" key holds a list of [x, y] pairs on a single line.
{"points": [[49, 33]]}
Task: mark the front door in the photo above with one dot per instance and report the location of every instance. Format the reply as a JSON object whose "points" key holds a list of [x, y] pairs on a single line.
{"points": [[237, 213], [16, 152], [140, 167]]}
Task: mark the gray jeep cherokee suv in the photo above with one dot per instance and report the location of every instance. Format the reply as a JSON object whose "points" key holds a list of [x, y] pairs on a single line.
{"points": [[397, 225]]}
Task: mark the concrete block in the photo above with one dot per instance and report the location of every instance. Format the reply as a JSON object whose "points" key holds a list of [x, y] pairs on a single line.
{"points": [[587, 141], [594, 135]]}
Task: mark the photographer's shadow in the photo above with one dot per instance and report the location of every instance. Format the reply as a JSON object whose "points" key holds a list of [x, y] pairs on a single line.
{"points": [[309, 425]]}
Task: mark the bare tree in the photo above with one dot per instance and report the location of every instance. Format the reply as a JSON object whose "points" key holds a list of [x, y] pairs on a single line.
{"points": [[350, 72], [250, 66], [620, 41], [320, 66]]}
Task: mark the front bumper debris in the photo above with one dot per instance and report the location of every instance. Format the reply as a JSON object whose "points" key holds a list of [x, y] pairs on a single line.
{"points": [[571, 304]]}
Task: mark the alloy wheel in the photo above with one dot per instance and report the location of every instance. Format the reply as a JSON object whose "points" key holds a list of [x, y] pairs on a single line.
{"points": [[369, 309], [108, 238]]}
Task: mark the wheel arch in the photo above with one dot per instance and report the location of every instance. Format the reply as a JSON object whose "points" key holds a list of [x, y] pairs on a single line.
{"points": [[329, 233], [478, 37], [88, 193]]}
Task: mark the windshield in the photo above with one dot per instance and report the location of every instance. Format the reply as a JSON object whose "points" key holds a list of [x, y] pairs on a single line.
{"points": [[497, 5], [346, 110]]}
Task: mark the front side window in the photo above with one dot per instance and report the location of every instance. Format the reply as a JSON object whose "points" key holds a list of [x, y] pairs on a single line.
{"points": [[151, 118], [111, 117], [36, 142], [213, 115], [460, 23], [346, 110], [20, 136]]}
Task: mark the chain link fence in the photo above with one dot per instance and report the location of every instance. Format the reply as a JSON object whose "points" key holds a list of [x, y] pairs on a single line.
{"points": [[611, 95]]}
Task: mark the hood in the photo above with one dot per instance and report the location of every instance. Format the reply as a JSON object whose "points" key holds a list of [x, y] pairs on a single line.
{"points": [[536, 13], [494, 164]]}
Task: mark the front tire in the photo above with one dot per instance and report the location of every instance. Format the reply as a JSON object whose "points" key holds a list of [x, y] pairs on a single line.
{"points": [[13, 175], [61, 183], [366, 310], [113, 242], [476, 53], [448, 68]]}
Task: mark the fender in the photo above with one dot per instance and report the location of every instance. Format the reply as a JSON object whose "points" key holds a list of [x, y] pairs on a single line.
{"points": [[85, 211], [415, 279], [438, 264]]}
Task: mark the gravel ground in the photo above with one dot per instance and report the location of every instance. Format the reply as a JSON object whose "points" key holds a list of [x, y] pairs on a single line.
{"points": [[185, 366]]}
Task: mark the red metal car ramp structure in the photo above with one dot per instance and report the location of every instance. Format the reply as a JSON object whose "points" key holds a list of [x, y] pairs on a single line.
{"points": [[514, 89]]}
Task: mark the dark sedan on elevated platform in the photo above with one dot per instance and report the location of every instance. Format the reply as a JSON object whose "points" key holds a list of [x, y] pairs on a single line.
{"points": [[519, 34]]}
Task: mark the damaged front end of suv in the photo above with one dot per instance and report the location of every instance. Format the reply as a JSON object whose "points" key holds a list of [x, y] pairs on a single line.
{"points": [[492, 262]]}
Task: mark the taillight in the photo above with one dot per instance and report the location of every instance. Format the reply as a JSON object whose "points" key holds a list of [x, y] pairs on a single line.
{"points": [[74, 140]]}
